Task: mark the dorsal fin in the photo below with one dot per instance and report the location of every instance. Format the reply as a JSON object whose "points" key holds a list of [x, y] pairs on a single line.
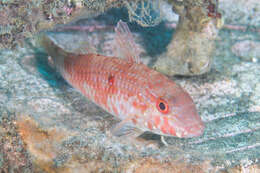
{"points": [[125, 45]]}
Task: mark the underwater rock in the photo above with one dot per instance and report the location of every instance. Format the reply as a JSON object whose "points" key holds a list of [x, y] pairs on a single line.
{"points": [[247, 49], [192, 46], [14, 156], [44, 146], [189, 53], [237, 169], [40, 143], [244, 12]]}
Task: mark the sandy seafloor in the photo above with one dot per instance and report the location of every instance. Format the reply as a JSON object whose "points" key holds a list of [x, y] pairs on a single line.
{"points": [[47, 126]]}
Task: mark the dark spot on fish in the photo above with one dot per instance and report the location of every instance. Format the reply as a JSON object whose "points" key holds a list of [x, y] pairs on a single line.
{"points": [[111, 79]]}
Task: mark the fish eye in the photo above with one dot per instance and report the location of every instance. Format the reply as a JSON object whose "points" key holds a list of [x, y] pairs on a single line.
{"points": [[162, 106]]}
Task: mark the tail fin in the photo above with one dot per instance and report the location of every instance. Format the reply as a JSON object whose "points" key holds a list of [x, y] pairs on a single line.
{"points": [[57, 54], [50, 47], [126, 47]]}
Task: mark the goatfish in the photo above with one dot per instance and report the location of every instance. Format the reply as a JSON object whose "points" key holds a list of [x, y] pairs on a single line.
{"points": [[139, 96]]}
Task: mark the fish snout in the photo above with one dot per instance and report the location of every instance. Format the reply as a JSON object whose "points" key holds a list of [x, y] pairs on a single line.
{"points": [[189, 122], [194, 130]]}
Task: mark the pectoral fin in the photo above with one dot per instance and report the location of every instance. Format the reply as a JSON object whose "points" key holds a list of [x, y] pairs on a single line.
{"points": [[126, 129], [131, 134]]}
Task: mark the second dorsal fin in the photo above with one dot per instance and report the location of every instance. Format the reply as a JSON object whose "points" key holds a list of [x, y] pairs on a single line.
{"points": [[125, 45]]}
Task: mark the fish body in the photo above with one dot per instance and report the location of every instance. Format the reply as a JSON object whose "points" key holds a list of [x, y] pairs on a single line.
{"points": [[130, 90]]}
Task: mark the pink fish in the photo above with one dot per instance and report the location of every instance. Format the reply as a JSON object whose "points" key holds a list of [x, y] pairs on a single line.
{"points": [[142, 98]]}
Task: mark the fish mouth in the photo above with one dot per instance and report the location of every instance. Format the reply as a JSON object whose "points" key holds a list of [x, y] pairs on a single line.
{"points": [[194, 130]]}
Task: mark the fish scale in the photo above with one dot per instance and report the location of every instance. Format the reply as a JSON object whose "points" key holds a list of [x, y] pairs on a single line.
{"points": [[128, 89], [124, 85]]}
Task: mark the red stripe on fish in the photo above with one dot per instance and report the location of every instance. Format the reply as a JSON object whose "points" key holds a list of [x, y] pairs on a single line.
{"points": [[157, 121], [172, 131], [164, 130], [150, 125]]}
